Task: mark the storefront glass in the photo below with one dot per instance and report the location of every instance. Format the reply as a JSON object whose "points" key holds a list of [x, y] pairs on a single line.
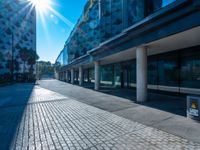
{"points": [[107, 74], [152, 71], [117, 75], [190, 68], [168, 71]]}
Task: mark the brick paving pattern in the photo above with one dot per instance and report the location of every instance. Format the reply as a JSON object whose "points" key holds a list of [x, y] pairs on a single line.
{"points": [[52, 121]]}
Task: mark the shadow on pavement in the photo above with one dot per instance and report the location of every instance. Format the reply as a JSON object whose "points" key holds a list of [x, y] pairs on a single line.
{"points": [[169, 102], [13, 102]]}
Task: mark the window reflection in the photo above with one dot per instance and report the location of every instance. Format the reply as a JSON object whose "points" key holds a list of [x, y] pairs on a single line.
{"points": [[133, 72], [107, 74], [190, 69], [154, 5], [136, 10], [167, 2], [168, 69], [152, 71], [117, 75]]}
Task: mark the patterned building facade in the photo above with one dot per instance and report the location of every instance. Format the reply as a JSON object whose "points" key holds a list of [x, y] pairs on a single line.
{"points": [[114, 37], [17, 40], [103, 19]]}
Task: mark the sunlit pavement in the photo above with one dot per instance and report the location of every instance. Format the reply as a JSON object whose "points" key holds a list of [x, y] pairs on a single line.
{"points": [[32, 117]]}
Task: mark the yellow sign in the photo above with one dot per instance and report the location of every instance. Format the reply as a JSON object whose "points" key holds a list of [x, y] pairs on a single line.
{"points": [[194, 106]]}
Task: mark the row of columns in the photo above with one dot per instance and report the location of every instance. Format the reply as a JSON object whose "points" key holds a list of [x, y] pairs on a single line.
{"points": [[141, 89]]}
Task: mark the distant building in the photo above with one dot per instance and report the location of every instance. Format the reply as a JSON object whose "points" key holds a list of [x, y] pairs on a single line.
{"points": [[17, 40], [143, 44]]}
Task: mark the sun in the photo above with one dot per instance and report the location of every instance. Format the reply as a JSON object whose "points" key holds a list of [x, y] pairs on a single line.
{"points": [[41, 5]]}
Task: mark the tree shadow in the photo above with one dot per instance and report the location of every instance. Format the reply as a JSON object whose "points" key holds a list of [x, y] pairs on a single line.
{"points": [[13, 102]]}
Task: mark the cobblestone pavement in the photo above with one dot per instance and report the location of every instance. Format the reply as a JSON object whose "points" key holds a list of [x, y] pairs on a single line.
{"points": [[52, 121]]}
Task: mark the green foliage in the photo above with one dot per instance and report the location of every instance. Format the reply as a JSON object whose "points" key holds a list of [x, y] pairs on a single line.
{"points": [[24, 54], [44, 68], [28, 55]]}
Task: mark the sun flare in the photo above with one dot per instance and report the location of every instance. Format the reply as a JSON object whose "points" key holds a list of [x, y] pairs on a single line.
{"points": [[41, 5]]}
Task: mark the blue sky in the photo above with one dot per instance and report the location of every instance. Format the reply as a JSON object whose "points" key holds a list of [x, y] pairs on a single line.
{"points": [[52, 34]]}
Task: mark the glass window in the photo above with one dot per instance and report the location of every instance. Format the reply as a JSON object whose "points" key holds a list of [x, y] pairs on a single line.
{"points": [[107, 74], [152, 71], [91, 74], [135, 10], [133, 72], [168, 72], [65, 56], [154, 5], [190, 68], [117, 74], [167, 2]]}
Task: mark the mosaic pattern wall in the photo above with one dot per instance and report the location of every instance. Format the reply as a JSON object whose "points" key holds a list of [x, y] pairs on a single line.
{"points": [[103, 19], [17, 40]]}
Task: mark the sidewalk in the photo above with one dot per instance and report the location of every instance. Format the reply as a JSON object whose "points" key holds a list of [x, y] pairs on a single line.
{"points": [[49, 120], [164, 113]]}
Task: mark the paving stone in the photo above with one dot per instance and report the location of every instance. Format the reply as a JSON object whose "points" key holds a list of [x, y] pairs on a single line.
{"points": [[53, 121]]}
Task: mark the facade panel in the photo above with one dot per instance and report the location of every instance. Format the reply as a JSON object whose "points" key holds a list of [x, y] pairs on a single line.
{"points": [[120, 28], [17, 40]]}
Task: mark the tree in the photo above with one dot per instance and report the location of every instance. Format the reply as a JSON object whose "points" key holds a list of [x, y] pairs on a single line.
{"points": [[24, 55], [44, 68], [28, 56], [32, 59]]}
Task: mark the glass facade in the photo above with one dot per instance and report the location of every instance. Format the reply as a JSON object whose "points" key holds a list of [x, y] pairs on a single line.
{"points": [[117, 75], [152, 70], [91, 74], [107, 74], [179, 68], [190, 68], [155, 5], [136, 11], [63, 57], [168, 69], [104, 19]]}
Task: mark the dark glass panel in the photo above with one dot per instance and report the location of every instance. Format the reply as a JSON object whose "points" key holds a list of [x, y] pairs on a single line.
{"points": [[117, 74], [152, 71], [133, 72], [168, 69], [154, 5], [136, 11], [190, 68], [107, 73], [91, 74]]}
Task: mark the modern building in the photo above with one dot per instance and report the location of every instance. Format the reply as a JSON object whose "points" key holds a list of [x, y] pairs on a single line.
{"points": [[144, 44], [17, 40]]}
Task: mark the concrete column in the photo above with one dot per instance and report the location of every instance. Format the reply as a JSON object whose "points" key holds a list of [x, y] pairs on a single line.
{"points": [[141, 58], [80, 75], [66, 76], [97, 75], [72, 76]]}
